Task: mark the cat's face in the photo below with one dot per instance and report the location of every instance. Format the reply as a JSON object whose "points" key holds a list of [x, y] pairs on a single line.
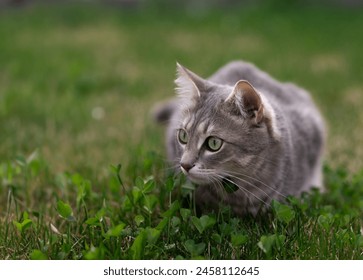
{"points": [[214, 144], [205, 149], [220, 130]]}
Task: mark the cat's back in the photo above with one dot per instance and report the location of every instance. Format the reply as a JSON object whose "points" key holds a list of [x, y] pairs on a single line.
{"points": [[287, 99], [286, 94]]}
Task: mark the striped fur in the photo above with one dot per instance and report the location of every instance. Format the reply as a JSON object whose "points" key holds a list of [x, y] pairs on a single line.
{"points": [[273, 137]]}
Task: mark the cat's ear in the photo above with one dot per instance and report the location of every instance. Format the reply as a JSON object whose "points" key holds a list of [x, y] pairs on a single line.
{"points": [[247, 101], [188, 83]]}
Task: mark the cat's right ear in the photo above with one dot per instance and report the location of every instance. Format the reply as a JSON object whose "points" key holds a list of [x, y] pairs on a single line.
{"points": [[247, 101], [188, 84]]}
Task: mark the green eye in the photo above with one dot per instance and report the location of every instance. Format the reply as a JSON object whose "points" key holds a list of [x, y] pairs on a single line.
{"points": [[182, 136], [214, 144]]}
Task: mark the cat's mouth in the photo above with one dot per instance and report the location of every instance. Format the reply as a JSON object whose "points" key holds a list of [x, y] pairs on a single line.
{"points": [[228, 185]]}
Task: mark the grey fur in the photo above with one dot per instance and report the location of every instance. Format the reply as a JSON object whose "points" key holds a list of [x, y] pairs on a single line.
{"points": [[273, 137]]}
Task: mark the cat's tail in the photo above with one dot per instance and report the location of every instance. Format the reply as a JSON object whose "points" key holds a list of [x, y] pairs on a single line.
{"points": [[163, 111]]}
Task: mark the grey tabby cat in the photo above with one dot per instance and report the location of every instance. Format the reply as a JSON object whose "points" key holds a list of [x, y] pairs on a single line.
{"points": [[243, 137]]}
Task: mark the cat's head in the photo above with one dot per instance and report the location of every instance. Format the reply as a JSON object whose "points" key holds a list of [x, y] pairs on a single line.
{"points": [[220, 130]]}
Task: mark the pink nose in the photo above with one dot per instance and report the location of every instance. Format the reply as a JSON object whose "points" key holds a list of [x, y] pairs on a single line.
{"points": [[186, 166]]}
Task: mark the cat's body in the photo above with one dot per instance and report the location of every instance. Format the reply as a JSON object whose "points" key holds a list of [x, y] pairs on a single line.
{"points": [[243, 127]]}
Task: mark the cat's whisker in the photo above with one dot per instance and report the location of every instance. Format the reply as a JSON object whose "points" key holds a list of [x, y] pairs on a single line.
{"points": [[214, 177], [171, 168], [253, 185], [173, 165], [245, 190], [257, 180], [220, 187]]}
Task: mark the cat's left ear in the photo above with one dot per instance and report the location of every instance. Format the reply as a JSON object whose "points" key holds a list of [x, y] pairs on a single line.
{"points": [[247, 101], [188, 83]]}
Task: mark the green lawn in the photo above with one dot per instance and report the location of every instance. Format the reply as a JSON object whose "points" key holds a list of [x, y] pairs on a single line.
{"points": [[76, 88]]}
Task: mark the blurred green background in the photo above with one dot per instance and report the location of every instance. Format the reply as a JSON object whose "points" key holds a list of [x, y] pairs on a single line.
{"points": [[78, 80]]}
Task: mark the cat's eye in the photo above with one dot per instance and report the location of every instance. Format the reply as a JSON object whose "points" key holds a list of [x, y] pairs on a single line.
{"points": [[182, 136], [214, 143]]}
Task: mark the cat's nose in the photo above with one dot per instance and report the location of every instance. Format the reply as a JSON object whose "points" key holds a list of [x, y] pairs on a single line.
{"points": [[187, 166]]}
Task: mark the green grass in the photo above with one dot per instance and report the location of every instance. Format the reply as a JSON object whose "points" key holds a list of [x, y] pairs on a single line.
{"points": [[62, 193], [73, 219]]}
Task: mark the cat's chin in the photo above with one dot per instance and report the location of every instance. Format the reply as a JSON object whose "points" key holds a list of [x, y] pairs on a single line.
{"points": [[198, 179], [195, 178]]}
